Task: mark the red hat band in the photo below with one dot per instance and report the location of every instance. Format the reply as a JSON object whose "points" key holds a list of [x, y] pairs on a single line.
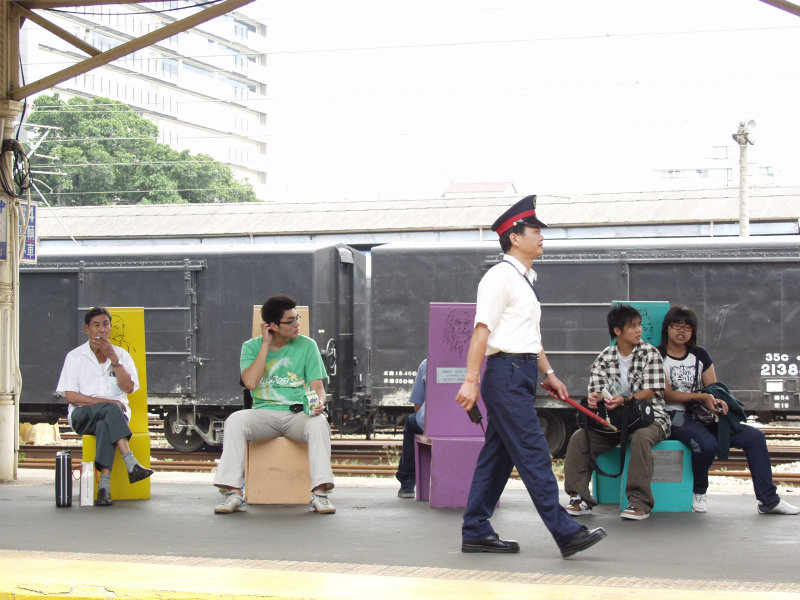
{"points": [[506, 225]]}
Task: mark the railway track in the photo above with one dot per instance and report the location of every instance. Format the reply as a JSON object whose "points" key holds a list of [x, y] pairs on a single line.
{"points": [[370, 458], [357, 457]]}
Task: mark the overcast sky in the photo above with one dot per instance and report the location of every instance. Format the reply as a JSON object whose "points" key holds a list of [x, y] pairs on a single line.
{"points": [[372, 99]]}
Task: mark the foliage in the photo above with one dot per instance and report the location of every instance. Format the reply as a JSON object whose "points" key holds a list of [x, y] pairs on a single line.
{"points": [[102, 152]]}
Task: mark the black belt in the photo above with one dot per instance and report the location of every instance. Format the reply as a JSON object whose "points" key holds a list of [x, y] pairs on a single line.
{"points": [[519, 355]]}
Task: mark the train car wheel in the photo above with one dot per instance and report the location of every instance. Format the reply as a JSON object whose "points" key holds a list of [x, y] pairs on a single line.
{"points": [[180, 436], [555, 431], [351, 428], [764, 416]]}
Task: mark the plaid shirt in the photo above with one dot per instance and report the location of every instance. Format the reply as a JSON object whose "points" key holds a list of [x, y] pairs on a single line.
{"points": [[646, 373]]}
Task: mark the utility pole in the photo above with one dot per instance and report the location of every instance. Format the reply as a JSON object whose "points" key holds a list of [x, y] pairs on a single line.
{"points": [[743, 137]]}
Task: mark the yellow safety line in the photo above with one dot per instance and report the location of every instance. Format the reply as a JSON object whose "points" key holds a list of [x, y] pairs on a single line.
{"points": [[26, 577]]}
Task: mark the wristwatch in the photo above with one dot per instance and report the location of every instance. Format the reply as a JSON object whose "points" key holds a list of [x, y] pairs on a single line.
{"points": [[549, 372]]}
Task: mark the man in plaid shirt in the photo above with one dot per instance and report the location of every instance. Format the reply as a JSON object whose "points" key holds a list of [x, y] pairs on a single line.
{"points": [[628, 368]]}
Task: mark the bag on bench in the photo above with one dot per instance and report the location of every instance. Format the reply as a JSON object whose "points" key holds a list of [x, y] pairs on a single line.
{"points": [[627, 418]]}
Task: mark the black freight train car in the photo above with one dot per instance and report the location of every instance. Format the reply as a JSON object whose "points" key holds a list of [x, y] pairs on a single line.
{"points": [[746, 293], [198, 303]]}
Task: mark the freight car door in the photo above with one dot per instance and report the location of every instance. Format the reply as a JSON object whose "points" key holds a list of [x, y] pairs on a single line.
{"points": [[167, 291]]}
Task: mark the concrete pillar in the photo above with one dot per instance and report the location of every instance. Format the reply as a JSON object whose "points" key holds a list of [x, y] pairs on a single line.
{"points": [[9, 313]]}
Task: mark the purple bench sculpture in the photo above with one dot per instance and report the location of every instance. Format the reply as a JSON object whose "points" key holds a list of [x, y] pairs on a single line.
{"points": [[448, 450]]}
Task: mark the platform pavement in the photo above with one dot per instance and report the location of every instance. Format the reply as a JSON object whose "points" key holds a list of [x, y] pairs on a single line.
{"points": [[376, 546]]}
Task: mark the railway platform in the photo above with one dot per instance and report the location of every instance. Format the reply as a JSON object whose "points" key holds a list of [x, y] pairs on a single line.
{"points": [[377, 546]]}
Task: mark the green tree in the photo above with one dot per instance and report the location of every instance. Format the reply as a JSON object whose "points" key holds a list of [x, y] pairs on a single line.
{"points": [[99, 151]]}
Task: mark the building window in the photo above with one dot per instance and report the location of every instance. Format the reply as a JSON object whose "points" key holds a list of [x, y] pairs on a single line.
{"points": [[242, 30], [197, 70], [169, 67]]}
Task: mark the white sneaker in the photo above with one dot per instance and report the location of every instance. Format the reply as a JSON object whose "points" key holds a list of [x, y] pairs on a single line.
{"points": [[781, 508], [233, 502], [321, 504], [699, 503], [577, 506], [634, 514]]}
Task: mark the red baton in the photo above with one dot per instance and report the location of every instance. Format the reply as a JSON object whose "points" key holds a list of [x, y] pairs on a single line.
{"points": [[583, 409]]}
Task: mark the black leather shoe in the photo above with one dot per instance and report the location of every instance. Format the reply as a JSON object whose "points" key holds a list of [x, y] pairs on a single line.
{"points": [[582, 540], [139, 473], [103, 498], [493, 543]]}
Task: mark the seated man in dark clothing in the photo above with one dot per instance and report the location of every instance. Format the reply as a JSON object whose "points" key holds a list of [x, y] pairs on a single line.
{"points": [[415, 423]]}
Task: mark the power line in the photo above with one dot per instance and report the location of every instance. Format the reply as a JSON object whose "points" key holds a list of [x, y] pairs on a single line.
{"points": [[147, 191], [599, 36], [222, 136], [163, 57], [61, 140], [631, 83], [127, 164], [138, 12]]}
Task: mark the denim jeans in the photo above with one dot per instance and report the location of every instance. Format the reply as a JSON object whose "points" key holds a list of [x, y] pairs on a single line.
{"points": [[406, 470], [703, 443], [578, 468]]}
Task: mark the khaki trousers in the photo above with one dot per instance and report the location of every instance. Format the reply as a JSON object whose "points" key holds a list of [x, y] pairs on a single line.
{"points": [[256, 425], [578, 470]]}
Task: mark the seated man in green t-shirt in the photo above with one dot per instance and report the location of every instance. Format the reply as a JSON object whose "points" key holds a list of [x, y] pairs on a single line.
{"points": [[280, 368]]}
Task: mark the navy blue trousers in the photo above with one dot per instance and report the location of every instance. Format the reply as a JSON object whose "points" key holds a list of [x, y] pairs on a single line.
{"points": [[406, 470], [514, 438]]}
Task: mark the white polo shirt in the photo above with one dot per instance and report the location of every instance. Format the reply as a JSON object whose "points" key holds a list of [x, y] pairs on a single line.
{"points": [[508, 306], [83, 374]]}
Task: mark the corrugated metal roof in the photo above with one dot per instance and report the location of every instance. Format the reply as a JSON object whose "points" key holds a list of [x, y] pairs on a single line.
{"points": [[498, 187], [436, 214]]}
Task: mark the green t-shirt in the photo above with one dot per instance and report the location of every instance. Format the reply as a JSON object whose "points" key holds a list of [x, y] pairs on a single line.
{"points": [[281, 384]]}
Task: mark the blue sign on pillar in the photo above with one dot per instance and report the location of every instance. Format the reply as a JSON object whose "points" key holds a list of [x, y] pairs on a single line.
{"points": [[27, 228]]}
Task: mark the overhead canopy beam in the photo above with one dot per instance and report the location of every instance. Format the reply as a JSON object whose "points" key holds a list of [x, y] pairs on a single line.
{"points": [[130, 47], [789, 7], [31, 4], [57, 31]]}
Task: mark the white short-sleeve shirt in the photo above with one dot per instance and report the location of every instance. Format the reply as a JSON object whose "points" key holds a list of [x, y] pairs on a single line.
{"points": [[508, 306], [83, 374]]}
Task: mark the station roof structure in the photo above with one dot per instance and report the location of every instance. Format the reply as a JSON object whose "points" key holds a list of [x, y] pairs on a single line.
{"points": [[398, 217]]}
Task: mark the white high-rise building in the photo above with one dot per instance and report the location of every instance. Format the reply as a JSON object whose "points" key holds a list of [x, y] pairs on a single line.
{"points": [[204, 88]]}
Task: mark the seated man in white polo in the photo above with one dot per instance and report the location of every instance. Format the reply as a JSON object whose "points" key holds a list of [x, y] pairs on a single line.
{"points": [[96, 379], [279, 367]]}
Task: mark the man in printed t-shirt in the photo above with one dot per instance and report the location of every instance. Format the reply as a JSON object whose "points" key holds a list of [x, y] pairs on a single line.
{"points": [[281, 368]]}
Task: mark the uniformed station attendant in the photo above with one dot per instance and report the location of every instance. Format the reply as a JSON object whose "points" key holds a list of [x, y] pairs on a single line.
{"points": [[507, 331]]}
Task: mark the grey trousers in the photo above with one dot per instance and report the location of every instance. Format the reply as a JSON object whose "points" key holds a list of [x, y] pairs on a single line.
{"points": [[106, 421], [259, 424], [578, 470]]}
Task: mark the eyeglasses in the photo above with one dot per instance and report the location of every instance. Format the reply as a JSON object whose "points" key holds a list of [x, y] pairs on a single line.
{"points": [[680, 327], [296, 319]]}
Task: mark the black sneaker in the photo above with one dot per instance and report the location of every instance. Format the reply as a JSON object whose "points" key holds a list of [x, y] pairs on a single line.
{"points": [[406, 492], [103, 498]]}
